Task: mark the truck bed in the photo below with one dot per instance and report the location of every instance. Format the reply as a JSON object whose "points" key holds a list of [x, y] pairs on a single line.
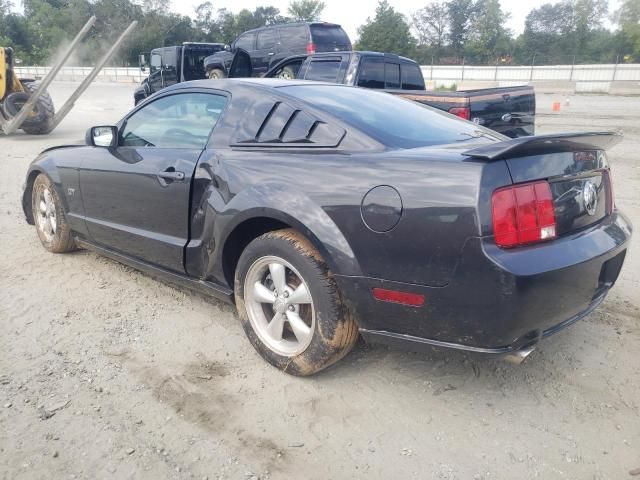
{"points": [[507, 110]]}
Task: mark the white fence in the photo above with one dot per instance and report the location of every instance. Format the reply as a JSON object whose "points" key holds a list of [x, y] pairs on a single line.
{"points": [[620, 78], [568, 73], [107, 74]]}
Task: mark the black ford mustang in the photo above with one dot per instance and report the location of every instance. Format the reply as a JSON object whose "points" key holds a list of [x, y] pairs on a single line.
{"points": [[325, 212]]}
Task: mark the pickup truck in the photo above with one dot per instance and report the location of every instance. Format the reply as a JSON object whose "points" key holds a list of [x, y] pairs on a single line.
{"points": [[507, 110], [171, 65]]}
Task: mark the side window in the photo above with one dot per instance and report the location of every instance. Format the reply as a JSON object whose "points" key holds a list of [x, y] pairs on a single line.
{"points": [[266, 40], [169, 59], [156, 62], [392, 75], [323, 70], [292, 38], [371, 74], [411, 77], [245, 41], [183, 120]]}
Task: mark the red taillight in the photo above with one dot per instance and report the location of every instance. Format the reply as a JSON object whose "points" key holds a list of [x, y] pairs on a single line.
{"points": [[311, 48], [523, 214], [395, 296], [462, 112]]}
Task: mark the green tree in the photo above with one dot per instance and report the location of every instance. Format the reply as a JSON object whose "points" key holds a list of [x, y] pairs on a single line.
{"points": [[488, 38], [306, 10], [388, 31], [627, 18], [567, 31], [431, 24], [588, 16], [205, 21], [461, 13]]}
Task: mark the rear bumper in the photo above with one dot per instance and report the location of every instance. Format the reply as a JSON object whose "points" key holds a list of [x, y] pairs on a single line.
{"points": [[499, 301]]}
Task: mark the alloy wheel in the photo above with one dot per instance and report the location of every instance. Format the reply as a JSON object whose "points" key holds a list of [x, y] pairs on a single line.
{"points": [[279, 306], [46, 209]]}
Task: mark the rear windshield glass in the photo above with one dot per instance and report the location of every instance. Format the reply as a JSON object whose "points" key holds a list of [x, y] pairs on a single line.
{"points": [[412, 77], [333, 36], [324, 71], [392, 120]]}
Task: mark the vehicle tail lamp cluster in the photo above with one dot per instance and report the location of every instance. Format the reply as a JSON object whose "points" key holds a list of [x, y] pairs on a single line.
{"points": [[462, 112], [523, 214], [396, 296], [311, 48]]}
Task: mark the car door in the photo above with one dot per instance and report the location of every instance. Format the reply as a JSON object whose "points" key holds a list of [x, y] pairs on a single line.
{"points": [[136, 195], [155, 72], [170, 67], [240, 65], [264, 52]]}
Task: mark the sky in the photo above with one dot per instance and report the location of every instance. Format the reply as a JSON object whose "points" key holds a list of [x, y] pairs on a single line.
{"points": [[351, 14]]}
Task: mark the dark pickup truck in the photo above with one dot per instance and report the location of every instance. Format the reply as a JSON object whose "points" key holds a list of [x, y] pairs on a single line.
{"points": [[508, 110]]}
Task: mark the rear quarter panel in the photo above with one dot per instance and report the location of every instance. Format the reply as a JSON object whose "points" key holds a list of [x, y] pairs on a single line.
{"points": [[322, 195]]}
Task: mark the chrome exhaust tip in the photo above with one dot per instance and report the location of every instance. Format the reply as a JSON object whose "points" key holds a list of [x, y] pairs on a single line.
{"points": [[518, 356]]}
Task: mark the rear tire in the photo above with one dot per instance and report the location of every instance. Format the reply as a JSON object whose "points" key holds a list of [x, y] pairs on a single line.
{"points": [[308, 293], [49, 218], [216, 74]]}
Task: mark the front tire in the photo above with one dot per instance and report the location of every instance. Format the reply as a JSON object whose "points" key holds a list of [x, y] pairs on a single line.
{"points": [[287, 73], [216, 74], [290, 306], [48, 215]]}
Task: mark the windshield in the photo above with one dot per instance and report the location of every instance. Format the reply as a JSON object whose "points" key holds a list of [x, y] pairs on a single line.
{"points": [[393, 121]]}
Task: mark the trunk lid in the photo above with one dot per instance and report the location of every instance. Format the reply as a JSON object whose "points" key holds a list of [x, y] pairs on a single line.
{"points": [[574, 165]]}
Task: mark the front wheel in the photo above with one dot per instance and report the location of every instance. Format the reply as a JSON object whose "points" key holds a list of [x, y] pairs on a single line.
{"points": [[216, 74], [290, 306], [48, 214], [287, 73]]}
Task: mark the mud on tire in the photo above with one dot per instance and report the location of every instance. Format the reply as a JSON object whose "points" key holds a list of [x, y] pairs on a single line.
{"points": [[334, 330], [58, 239]]}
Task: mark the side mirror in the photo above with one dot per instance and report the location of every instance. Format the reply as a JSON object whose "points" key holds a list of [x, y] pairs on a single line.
{"points": [[227, 48], [105, 136], [142, 61]]}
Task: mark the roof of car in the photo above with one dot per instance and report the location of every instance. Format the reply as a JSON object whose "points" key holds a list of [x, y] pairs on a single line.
{"points": [[224, 84], [291, 24], [364, 53]]}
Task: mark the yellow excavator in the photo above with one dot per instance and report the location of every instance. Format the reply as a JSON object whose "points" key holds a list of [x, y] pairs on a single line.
{"points": [[15, 92]]}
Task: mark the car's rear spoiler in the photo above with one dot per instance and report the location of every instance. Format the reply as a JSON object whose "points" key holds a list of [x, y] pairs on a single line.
{"points": [[541, 144]]}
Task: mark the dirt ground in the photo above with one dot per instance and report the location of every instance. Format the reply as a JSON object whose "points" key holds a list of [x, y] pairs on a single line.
{"points": [[106, 373]]}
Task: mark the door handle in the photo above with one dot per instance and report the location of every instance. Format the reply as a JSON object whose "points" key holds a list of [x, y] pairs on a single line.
{"points": [[169, 176], [272, 53]]}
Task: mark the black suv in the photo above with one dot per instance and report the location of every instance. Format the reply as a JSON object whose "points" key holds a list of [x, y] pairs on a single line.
{"points": [[269, 45]]}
